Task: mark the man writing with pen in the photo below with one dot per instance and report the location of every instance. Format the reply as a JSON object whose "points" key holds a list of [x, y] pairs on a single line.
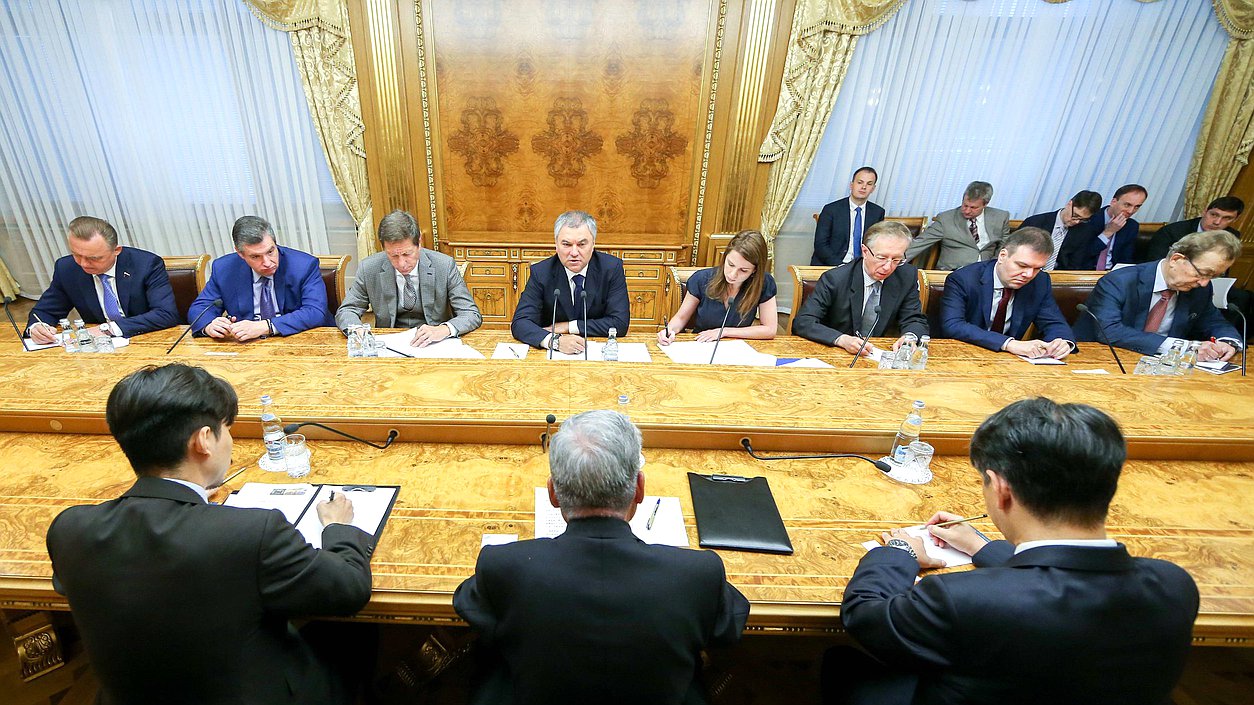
{"points": [[1055, 613]]}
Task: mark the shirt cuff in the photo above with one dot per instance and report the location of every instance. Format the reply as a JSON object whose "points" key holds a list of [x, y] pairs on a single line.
{"points": [[544, 344], [113, 328], [452, 332], [572, 327], [1231, 341]]}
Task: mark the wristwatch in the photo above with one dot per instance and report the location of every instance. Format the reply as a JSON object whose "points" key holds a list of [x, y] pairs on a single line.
{"points": [[903, 545], [557, 337]]}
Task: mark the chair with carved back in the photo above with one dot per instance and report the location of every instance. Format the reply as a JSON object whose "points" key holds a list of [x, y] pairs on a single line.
{"points": [[332, 269], [187, 278]]}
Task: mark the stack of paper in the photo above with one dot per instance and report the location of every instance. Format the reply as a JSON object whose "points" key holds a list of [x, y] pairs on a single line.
{"points": [[730, 352], [449, 348]]}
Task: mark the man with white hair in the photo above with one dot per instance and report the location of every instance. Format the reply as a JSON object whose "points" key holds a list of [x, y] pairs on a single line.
{"points": [[588, 289], [596, 615], [970, 233]]}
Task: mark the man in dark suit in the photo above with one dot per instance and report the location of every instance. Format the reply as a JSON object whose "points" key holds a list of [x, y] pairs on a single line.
{"points": [[838, 234], [179, 600], [575, 271], [843, 308], [1059, 223], [125, 290], [1110, 239], [1219, 215], [1148, 307], [992, 304], [1056, 613], [596, 615], [265, 289]]}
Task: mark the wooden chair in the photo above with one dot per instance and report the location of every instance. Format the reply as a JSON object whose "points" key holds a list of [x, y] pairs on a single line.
{"points": [[1072, 289], [332, 268], [804, 279], [931, 287], [187, 278]]}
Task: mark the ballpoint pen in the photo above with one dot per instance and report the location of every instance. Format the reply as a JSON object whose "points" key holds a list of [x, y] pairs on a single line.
{"points": [[648, 525]]}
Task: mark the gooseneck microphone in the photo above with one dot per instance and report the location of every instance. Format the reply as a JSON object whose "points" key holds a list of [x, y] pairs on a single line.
{"points": [[1101, 334], [583, 325], [8, 300], [548, 432], [730, 305], [874, 322], [557, 294], [294, 427], [879, 464], [217, 304], [1244, 333]]}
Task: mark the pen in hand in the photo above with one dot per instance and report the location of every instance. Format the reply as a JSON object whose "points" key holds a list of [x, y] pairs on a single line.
{"points": [[648, 525], [961, 521]]}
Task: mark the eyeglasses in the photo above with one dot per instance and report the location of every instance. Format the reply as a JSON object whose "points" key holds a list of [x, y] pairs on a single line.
{"points": [[1076, 218], [1200, 274], [882, 259]]}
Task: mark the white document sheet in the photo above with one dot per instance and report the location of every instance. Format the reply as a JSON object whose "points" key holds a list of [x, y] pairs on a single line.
{"points": [[1041, 360], [32, 345], [289, 499], [497, 539], [449, 348], [298, 504], [668, 526], [951, 556], [511, 351], [730, 352], [627, 352]]}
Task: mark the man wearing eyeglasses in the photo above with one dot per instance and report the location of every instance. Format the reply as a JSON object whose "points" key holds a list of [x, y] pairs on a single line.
{"points": [[1148, 307], [844, 305], [1078, 211], [1107, 239]]}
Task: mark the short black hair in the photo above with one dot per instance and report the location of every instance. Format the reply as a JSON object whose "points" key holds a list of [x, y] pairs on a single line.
{"points": [[1231, 204], [861, 169], [1130, 188], [154, 410], [1090, 201], [1062, 461]]}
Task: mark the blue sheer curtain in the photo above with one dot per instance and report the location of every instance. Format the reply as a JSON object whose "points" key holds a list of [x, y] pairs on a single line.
{"points": [[1039, 99]]}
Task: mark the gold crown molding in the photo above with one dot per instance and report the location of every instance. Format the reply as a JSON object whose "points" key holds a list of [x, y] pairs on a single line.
{"points": [[709, 129], [426, 123]]}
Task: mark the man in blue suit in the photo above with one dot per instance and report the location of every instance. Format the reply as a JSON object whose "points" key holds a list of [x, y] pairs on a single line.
{"points": [[838, 235], [1148, 307], [125, 290], [992, 304], [1078, 211], [266, 289], [575, 271], [1106, 239]]}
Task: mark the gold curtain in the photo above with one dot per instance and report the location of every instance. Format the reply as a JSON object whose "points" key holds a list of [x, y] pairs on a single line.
{"points": [[824, 35], [1227, 134], [323, 50], [8, 285]]}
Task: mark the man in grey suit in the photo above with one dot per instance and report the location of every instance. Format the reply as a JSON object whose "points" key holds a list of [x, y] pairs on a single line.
{"points": [[970, 233], [408, 286]]}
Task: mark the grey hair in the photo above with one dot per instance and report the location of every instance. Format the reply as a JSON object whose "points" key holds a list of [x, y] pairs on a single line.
{"points": [[575, 219], [1195, 245], [399, 226], [251, 230], [594, 460], [978, 190], [886, 228]]}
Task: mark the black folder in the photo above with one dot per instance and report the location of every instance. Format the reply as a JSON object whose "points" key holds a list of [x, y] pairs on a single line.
{"points": [[737, 512]]}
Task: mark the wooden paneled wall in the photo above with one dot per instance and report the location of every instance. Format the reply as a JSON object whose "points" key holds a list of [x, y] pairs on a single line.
{"points": [[488, 118]]}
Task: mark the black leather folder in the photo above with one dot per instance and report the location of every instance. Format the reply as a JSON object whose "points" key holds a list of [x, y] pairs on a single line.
{"points": [[738, 513]]}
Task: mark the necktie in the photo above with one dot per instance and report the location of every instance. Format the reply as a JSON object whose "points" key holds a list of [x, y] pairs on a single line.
{"points": [[975, 231], [112, 309], [999, 319], [578, 290], [857, 233], [1102, 264], [868, 311], [267, 300], [1155, 319], [411, 294]]}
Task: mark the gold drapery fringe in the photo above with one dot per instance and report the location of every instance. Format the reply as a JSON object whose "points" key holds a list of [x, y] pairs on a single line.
{"points": [[323, 49], [8, 285]]}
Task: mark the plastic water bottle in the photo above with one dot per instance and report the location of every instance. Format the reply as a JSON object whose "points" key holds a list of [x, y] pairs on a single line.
{"points": [[68, 339], [609, 353], [86, 341], [272, 430], [909, 432], [1189, 359], [919, 360], [1171, 358], [905, 352]]}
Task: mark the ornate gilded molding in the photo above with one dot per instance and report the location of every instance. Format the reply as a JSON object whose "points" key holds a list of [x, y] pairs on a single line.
{"points": [[709, 129], [652, 142], [483, 141], [426, 124], [567, 142], [38, 649]]}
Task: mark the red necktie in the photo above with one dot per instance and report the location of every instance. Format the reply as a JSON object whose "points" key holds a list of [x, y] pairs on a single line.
{"points": [[975, 232], [1101, 259], [999, 319], [1155, 319]]}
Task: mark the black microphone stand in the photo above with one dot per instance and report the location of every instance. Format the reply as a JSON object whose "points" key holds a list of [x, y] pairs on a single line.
{"points": [[583, 326], [1101, 334], [874, 322], [557, 294], [7, 301], [392, 433], [215, 305], [879, 464], [730, 305]]}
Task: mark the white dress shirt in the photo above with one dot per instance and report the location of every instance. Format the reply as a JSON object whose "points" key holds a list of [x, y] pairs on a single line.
{"points": [[113, 328], [573, 325], [1077, 543], [1057, 235], [204, 493]]}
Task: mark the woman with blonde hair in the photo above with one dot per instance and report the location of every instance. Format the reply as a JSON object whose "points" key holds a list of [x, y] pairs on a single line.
{"points": [[743, 288]]}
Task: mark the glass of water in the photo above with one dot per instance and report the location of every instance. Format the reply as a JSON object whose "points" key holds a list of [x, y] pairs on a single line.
{"points": [[921, 454], [104, 344], [297, 455], [1147, 365]]}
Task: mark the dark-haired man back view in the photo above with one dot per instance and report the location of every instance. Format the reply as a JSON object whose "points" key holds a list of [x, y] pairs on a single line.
{"points": [[1056, 613], [181, 601]]}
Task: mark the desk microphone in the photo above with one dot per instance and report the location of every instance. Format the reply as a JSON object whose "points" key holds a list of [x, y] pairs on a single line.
{"points": [[547, 435], [1101, 334], [557, 294], [874, 322], [7, 301], [583, 327], [1244, 333], [879, 464], [217, 304], [392, 433], [730, 305]]}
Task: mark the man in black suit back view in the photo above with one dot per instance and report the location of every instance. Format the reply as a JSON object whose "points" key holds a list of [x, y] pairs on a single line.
{"points": [[596, 615], [181, 601], [1056, 613]]}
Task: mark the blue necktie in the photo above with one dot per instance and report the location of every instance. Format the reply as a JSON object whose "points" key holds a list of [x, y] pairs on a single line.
{"points": [[857, 233], [112, 309], [578, 290], [267, 300]]}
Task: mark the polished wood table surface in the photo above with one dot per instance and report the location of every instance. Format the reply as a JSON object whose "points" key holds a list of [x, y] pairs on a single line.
{"points": [[1188, 512], [1201, 416]]}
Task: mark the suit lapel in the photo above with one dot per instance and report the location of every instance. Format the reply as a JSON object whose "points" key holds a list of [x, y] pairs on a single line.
{"points": [[1143, 293], [280, 293], [122, 282], [426, 291], [987, 284], [388, 302], [857, 291], [562, 283], [243, 291]]}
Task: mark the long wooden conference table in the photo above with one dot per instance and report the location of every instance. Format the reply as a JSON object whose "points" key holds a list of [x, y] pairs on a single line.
{"points": [[468, 455]]}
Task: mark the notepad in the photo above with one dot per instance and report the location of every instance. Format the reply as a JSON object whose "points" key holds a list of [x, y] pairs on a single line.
{"points": [[448, 349], [667, 530], [952, 556], [372, 504]]}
